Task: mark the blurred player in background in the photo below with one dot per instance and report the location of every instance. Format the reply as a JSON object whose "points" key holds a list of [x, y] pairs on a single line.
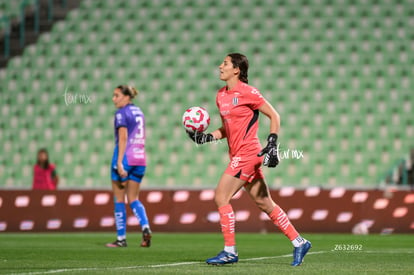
{"points": [[128, 164], [44, 173], [239, 105]]}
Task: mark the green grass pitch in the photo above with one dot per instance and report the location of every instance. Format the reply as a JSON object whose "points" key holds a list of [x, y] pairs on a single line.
{"points": [[74, 253]]}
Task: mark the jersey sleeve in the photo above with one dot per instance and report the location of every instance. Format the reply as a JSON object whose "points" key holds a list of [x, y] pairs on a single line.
{"points": [[255, 99], [120, 119]]}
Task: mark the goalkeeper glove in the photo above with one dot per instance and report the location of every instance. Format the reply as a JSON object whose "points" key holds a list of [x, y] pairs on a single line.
{"points": [[271, 158], [199, 137]]}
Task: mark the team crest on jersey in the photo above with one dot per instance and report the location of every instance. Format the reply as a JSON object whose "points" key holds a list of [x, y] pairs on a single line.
{"points": [[235, 101]]}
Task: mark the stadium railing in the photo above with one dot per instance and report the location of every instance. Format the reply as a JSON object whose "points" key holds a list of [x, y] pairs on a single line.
{"points": [[400, 173], [6, 29], [23, 5]]}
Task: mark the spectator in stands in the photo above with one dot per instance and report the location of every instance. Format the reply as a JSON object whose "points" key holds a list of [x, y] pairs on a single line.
{"points": [[44, 172]]}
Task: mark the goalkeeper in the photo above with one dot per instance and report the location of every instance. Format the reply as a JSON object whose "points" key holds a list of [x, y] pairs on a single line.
{"points": [[239, 105]]}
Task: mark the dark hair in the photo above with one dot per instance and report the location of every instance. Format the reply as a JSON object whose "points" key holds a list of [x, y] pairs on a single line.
{"points": [[240, 61], [45, 164], [128, 91]]}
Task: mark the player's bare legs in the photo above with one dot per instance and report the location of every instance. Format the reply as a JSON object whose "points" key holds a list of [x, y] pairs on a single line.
{"points": [[226, 188], [259, 192], [132, 190], [119, 191]]}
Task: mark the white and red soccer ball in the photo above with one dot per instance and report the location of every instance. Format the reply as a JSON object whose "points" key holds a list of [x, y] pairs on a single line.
{"points": [[196, 119]]}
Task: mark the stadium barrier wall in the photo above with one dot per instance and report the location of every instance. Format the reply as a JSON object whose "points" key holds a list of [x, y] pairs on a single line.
{"points": [[311, 210]]}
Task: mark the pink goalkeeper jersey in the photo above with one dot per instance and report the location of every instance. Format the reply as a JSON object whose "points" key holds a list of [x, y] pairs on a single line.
{"points": [[239, 111]]}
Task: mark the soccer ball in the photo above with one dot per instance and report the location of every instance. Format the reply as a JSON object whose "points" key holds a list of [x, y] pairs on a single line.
{"points": [[196, 119]]}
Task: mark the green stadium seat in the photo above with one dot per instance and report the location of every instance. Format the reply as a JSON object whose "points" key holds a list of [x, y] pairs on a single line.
{"points": [[341, 85]]}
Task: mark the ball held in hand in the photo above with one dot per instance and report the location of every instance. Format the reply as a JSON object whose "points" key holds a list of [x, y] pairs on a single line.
{"points": [[196, 119]]}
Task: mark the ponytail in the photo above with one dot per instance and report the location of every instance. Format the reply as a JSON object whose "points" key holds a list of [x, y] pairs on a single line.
{"points": [[130, 91]]}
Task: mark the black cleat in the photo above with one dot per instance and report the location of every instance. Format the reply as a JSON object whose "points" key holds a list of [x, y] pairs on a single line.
{"points": [[146, 238], [117, 243]]}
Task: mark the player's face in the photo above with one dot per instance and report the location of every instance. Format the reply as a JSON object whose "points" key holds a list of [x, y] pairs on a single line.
{"points": [[42, 157], [227, 71], [119, 99]]}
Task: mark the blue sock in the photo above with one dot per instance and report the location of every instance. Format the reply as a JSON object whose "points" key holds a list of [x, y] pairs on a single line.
{"points": [[139, 211], [120, 220]]}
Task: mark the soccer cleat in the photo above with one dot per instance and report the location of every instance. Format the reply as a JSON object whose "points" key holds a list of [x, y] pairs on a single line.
{"points": [[146, 238], [300, 252], [223, 258], [117, 243]]}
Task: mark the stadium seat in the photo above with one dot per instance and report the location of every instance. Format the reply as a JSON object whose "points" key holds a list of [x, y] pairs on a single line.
{"points": [[337, 72]]}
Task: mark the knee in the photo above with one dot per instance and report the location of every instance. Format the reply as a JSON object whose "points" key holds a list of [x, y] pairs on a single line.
{"points": [[221, 200], [120, 199]]}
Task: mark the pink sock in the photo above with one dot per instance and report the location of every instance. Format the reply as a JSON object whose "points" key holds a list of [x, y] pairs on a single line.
{"points": [[227, 222], [281, 220]]}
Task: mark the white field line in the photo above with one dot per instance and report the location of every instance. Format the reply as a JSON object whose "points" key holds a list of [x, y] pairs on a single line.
{"points": [[86, 269], [281, 256], [105, 268], [375, 252]]}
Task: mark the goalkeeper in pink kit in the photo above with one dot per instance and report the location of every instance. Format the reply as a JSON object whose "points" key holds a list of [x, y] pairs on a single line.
{"points": [[239, 105]]}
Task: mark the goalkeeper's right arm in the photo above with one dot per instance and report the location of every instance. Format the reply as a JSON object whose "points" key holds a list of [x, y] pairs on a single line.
{"points": [[201, 138], [220, 133]]}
